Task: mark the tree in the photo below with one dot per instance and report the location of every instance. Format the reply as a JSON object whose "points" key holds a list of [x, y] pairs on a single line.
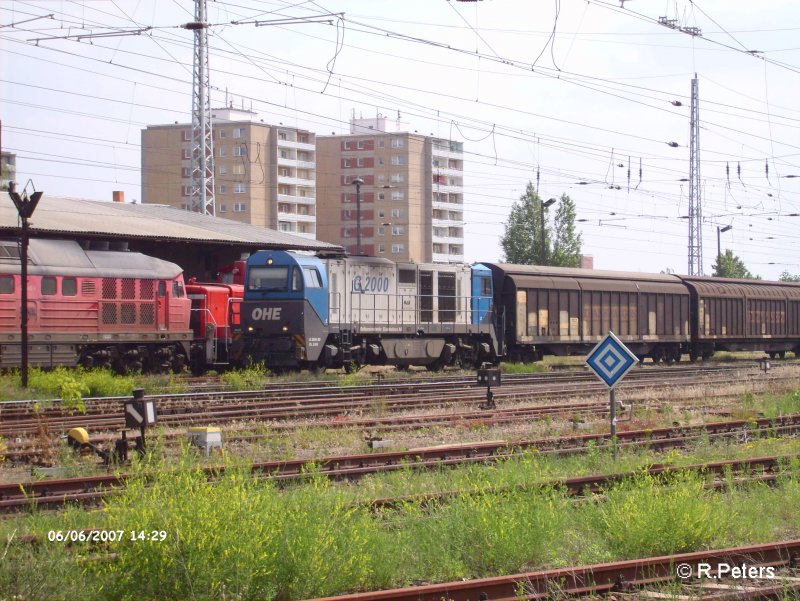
{"points": [[522, 241], [729, 265], [566, 241], [788, 277]]}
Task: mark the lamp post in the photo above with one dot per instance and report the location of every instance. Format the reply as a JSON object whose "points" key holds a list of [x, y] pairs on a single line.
{"points": [[544, 205], [721, 230], [25, 207], [358, 182]]}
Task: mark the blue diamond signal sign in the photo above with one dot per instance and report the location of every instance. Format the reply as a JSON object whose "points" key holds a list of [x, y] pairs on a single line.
{"points": [[611, 360]]}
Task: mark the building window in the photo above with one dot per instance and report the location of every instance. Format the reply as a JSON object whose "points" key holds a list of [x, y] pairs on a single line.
{"points": [[222, 151], [239, 207], [381, 179], [223, 208], [398, 159], [381, 196], [186, 172], [348, 214], [398, 178], [223, 133], [397, 143], [347, 145], [381, 213], [398, 248], [284, 154], [381, 143], [347, 233], [238, 132], [238, 169], [360, 145], [286, 172], [239, 151], [186, 154], [223, 188], [398, 195], [397, 212], [239, 188], [381, 248], [345, 162], [380, 160], [360, 162], [398, 230], [282, 135], [381, 231], [302, 138], [223, 170], [187, 135]]}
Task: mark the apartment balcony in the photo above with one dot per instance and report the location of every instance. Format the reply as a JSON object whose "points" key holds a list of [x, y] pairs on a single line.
{"points": [[296, 145], [447, 223], [296, 164], [448, 239], [301, 200], [296, 181], [448, 258], [438, 152], [296, 217], [438, 205]]}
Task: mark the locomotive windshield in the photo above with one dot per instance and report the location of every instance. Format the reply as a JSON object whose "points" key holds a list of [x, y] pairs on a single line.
{"points": [[269, 278]]}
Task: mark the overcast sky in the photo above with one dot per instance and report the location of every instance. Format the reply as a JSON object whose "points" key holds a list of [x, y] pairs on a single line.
{"points": [[582, 93]]}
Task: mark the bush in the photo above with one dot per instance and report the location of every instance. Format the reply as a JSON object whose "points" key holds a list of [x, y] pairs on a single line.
{"points": [[248, 378]]}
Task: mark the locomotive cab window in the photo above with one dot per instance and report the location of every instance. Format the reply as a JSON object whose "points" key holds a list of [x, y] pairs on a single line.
{"points": [[486, 286], [177, 289], [268, 279], [312, 277], [162, 289], [49, 286], [69, 287], [297, 280], [6, 284]]}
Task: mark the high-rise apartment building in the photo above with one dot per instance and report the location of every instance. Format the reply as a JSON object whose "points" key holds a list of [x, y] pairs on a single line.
{"points": [[412, 198], [264, 174], [8, 169]]}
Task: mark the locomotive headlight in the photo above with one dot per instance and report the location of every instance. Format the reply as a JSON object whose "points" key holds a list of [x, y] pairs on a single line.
{"points": [[285, 328], [249, 328]]}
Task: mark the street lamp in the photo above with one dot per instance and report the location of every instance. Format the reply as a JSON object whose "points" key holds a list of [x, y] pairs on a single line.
{"points": [[721, 230], [25, 207], [544, 205], [358, 182]]}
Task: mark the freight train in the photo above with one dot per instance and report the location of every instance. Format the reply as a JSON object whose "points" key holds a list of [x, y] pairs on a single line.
{"points": [[127, 311], [300, 311], [107, 307]]}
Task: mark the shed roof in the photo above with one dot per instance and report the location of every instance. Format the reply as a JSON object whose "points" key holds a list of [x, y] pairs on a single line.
{"points": [[77, 217]]}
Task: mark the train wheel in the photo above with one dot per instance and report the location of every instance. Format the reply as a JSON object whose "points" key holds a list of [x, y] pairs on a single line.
{"points": [[435, 366], [316, 369]]}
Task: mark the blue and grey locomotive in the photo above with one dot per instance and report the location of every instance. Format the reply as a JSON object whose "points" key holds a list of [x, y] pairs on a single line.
{"points": [[301, 311]]}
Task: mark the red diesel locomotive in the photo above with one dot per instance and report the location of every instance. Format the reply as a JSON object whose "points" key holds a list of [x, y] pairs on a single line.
{"points": [[110, 308]]}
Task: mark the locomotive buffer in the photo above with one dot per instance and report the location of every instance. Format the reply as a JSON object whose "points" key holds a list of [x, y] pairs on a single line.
{"points": [[610, 360]]}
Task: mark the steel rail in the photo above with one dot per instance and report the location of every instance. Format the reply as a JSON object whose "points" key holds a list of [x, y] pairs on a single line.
{"points": [[597, 579], [56, 492]]}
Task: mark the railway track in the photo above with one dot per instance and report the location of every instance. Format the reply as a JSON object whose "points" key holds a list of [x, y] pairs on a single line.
{"points": [[284, 403], [55, 493], [633, 579]]}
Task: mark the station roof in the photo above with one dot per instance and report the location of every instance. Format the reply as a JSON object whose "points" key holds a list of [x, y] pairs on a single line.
{"points": [[81, 218]]}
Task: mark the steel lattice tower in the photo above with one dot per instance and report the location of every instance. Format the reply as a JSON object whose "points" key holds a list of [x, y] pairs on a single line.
{"points": [[202, 140], [695, 205]]}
